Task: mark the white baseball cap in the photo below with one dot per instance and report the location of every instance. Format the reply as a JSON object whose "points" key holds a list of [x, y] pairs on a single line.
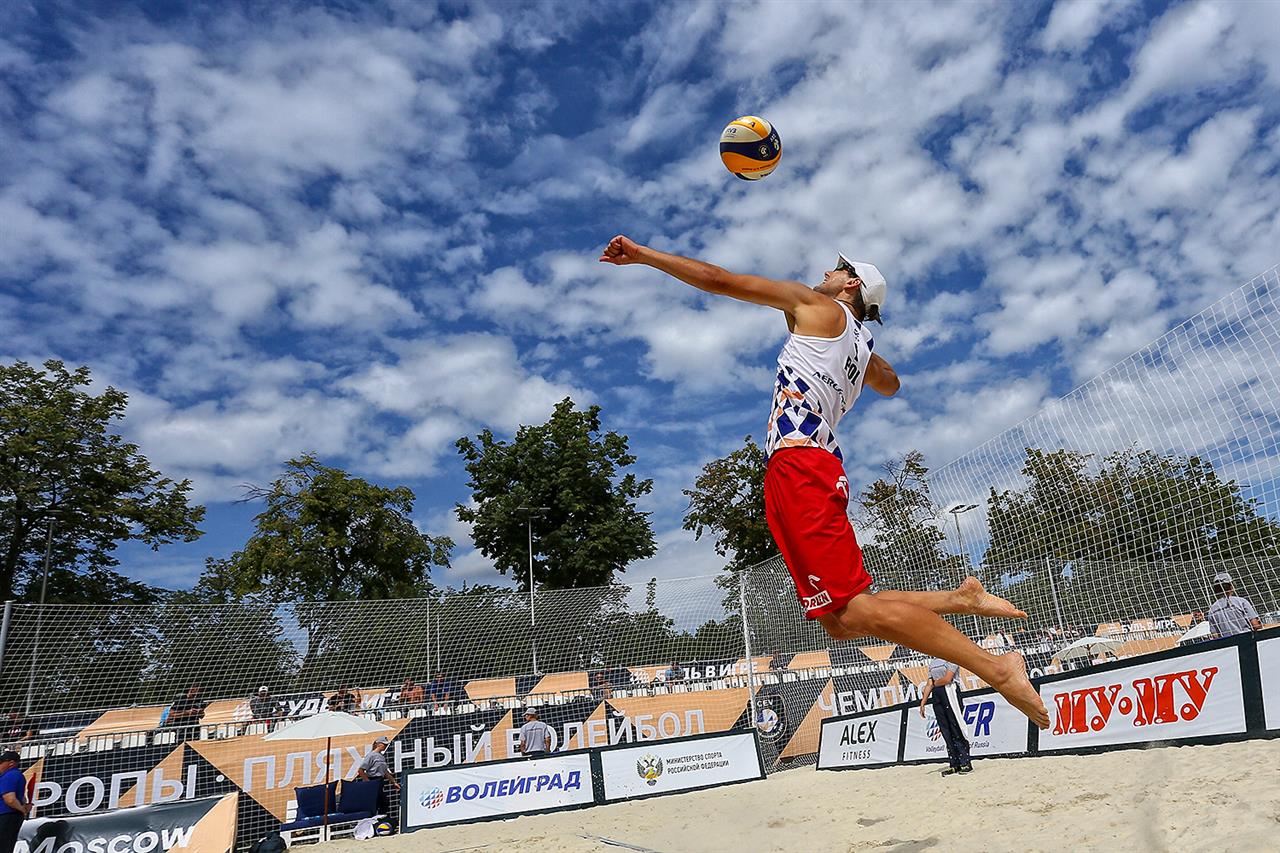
{"points": [[873, 284]]}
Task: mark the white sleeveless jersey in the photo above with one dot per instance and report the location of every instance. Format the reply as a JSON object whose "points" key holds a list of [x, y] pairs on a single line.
{"points": [[819, 379]]}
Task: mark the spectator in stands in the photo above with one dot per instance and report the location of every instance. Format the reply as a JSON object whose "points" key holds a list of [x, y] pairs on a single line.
{"points": [[1231, 614], [944, 689], [440, 690], [263, 706], [344, 700], [412, 695], [374, 766], [13, 800], [535, 735], [18, 728], [600, 687], [186, 712], [674, 673]]}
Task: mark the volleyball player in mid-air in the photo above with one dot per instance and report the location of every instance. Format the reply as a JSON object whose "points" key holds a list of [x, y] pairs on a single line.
{"points": [[821, 371]]}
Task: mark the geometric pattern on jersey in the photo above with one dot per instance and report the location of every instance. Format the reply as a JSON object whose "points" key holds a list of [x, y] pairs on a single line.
{"points": [[796, 419]]}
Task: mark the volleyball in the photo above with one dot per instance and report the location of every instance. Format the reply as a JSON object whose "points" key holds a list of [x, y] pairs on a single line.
{"points": [[750, 147], [383, 827]]}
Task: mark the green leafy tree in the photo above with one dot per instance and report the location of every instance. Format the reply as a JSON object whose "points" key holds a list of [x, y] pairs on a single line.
{"points": [[909, 551], [1136, 515], [327, 540], [328, 536], [727, 501], [60, 460], [591, 529]]}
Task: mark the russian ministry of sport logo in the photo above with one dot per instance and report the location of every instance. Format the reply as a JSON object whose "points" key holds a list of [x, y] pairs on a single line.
{"points": [[432, 798], [649, 768]]}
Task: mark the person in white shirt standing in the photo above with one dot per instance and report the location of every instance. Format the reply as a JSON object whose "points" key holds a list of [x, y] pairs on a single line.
{"points": [[1231, 614], [535, 736], [823, 366]]}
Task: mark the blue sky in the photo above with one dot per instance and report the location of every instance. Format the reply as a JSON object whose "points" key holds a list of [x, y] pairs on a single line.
{"points": [[366, 230]]}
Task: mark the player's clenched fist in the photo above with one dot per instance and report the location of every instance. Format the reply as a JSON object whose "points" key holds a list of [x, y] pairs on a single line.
{"points": [[621, 251]]}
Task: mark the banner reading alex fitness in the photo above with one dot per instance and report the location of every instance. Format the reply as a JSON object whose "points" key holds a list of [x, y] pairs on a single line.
{"points": [[197, 826]]}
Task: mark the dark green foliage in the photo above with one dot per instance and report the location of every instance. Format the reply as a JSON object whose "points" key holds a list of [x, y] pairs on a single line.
{"points": [[591, 529]]}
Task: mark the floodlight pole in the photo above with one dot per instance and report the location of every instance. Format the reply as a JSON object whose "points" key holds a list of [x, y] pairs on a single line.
{"points": [[44, 588], [1053, 588], [530, 512], [956, 512], [4, 630]]}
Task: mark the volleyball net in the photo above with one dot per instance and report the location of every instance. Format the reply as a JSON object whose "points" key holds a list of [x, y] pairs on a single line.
{"points": [[1121, 511]]}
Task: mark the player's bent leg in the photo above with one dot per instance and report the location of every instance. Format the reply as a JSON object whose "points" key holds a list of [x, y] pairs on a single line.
{"points": [[968, 598], [902, 622]]}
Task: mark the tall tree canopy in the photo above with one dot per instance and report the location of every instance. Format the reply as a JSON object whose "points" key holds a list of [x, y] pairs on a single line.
{"points": [[60, 459], [591, 529], [1092, 529], [328, 536], [1138, 506], [727, 501], [909, 551]]}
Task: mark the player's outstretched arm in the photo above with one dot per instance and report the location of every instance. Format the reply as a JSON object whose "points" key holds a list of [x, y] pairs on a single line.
{"points": [[786, 296]]}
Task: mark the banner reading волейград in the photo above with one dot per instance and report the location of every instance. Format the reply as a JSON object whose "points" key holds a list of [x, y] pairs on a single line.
{"points": [[497, 789]]}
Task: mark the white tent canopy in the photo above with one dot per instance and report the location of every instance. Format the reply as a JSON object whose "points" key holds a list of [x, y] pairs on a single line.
{"points": [[1088, 647]]}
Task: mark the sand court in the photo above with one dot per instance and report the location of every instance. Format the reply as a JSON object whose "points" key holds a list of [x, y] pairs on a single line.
{"points": [[1190, 798]]}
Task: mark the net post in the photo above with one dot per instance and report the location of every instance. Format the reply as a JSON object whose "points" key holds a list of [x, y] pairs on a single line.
{"points": [[746, 645], [1053, 588], [4, 630]]}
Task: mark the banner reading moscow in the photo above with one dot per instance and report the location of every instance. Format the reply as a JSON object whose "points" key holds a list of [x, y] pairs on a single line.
{"points": [[199, 826]]}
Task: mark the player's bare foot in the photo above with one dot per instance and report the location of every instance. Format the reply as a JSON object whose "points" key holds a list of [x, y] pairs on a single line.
{"points": [[976, 600], [1012, 683]]}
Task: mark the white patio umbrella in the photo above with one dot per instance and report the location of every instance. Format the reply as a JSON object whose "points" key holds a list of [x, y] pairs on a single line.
{"points": [[1196, 632], [1088, 646], [327, 725]]}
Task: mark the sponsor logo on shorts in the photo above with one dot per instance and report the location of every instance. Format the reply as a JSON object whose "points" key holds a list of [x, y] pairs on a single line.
{"points": [[842, 486], [815, 580], [813, 602]]}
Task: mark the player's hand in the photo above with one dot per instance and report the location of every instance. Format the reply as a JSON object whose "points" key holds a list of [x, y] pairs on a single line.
{"points": [[621, 251]]}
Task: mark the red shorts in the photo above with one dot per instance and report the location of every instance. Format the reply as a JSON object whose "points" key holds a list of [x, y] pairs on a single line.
{"points": [[806, 500]]}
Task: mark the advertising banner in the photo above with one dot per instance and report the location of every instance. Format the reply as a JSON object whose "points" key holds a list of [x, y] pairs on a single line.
{"points": [[1269, 667], [660, 768], [1188, 696], [994, 727], [200, 826], [500, 789], [865, 741]]}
